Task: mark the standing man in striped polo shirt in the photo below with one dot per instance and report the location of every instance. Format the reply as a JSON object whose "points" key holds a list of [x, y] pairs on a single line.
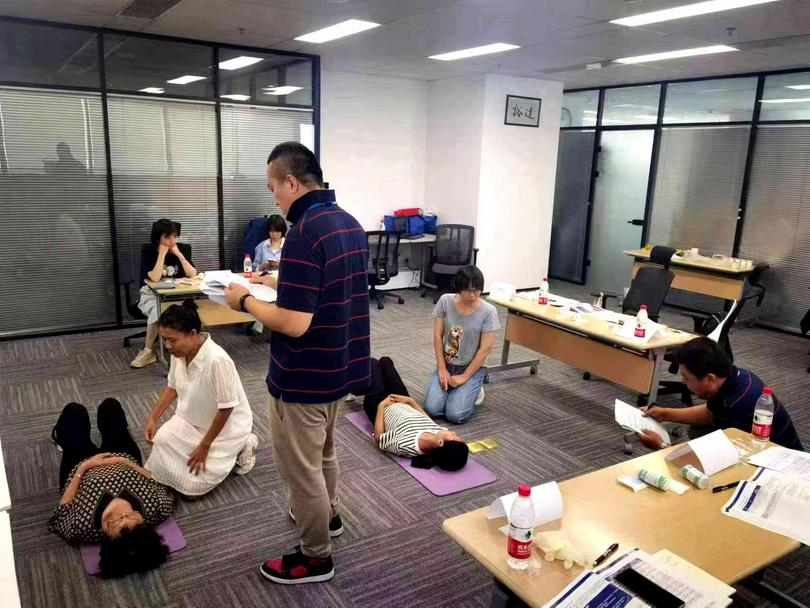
{"points": [[319, 352]]}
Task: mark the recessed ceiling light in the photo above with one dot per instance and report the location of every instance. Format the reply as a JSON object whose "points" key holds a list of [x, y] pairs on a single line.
{"points": [[236, 97], [702, 50], [793, 100], [153, 90], [688, 10], [798, 87], [498, 47], [339, 30], [238, 62], [281, 90], [185, 79]]}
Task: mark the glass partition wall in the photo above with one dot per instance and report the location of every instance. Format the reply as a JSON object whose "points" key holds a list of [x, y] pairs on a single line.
{"points": [[720, 164], [103, 132]]}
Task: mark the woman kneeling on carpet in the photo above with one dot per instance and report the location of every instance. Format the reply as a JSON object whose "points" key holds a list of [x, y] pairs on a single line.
{"points": [[108, 497], [210, 433], [403, 428]]}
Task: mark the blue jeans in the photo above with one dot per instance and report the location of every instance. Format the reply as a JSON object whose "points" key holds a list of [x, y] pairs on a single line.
{"points": [[456, 404]]}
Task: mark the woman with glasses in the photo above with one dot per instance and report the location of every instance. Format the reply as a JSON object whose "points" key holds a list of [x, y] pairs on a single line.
{"points": [[463, 335], [107, 496]]}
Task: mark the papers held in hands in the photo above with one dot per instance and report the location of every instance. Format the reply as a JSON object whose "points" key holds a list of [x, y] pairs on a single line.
{"points": [[714, 451], [546, 500], [216, 281], [631, 419]]}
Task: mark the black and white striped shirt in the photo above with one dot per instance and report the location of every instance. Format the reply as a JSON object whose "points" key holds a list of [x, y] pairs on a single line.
{"points": [[403, 426]]}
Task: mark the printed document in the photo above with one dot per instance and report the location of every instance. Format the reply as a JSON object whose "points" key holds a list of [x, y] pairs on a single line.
{"points": [[784, 460], [216, 281], [632, 419]]}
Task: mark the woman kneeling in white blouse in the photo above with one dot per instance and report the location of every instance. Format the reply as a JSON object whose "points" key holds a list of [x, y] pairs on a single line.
{"points": [[210, 433]]}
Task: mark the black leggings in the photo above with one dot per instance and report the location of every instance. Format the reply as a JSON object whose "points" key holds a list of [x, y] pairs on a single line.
{"points": [[385, 381], [73, 435]]}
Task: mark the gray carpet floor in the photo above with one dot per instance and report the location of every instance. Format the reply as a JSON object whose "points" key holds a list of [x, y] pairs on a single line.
{"points": [[552, 425]]}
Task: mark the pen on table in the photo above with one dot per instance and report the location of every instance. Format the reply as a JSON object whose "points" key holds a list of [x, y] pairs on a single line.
{"points": [[608, 552], [728, 486]]}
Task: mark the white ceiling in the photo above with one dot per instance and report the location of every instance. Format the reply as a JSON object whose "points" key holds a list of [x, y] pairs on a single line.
{"points": [[558, 37]]}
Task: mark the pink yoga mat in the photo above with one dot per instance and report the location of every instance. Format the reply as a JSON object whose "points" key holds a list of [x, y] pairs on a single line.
{"points": [[438, 481], [169, 530]]}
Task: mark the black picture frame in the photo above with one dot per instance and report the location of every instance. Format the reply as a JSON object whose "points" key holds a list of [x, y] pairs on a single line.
{"points": [[526, 108]]}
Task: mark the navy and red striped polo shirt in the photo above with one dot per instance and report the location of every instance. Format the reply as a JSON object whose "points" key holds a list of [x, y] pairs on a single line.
{"points": [[322, 271]]}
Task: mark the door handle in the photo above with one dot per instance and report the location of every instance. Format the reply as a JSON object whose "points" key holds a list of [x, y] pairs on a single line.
{"points": [[636, 222]]}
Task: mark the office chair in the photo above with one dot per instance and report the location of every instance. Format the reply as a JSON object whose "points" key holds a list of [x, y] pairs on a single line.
{"points": [[383, 263], [133, 310], [650, 286], [452, 250], [754, 290]]}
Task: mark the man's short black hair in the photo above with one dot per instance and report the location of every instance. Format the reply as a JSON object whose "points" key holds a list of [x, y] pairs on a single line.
{"points": [[276, 223], [451, 456], [137, 550], [293, 158], [163, 227], [181, 317], [703, 356], [468, 277]]}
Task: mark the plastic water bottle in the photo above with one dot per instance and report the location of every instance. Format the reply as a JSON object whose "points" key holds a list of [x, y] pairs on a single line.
{"points": [[641, 322], [543, 299], [248, 266], [519, 545], [763, 418], [382, 223]]}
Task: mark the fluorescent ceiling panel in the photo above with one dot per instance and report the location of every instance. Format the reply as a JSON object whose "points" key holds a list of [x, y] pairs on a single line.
{"points": [[238, 62], [281, 90], [498, 47], [688, 10], [236, 97], [185, 79], [153, 90], [339, 30], [703, 50]]}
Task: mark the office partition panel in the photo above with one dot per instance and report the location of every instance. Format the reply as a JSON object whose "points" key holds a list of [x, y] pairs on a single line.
{"points": [[56, 259]]}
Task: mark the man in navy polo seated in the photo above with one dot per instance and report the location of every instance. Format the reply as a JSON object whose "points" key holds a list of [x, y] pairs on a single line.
{"points": [[731, 395]]}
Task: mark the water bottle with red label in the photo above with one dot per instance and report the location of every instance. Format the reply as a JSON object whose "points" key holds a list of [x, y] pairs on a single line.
{"points": [[247, 266], [641, 322], [543, 299], [521, 529], [763, 417]]}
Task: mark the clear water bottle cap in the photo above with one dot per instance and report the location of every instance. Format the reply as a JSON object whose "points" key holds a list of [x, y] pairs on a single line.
{"points": [[524, 490], [767, 391]]}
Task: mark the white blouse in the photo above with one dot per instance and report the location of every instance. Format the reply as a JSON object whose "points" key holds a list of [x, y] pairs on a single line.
{"points": [[210, 383]]}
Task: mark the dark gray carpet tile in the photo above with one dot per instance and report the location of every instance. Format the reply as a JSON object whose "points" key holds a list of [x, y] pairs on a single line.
{"points": [[44, 394], [35, 466], [122, 382], [34, 349], [31, 371], [103, 341], [108, 361]]}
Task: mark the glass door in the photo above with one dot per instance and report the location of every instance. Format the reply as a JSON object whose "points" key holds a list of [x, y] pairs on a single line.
{"points": [[618, 208]]}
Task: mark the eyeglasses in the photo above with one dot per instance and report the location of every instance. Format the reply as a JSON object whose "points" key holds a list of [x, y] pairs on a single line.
{"points": [[470, 292]]}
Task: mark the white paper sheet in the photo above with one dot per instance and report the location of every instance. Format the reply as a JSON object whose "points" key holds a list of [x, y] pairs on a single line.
{"points": [[631, 418], [784, 460], [216, 281], [775, 501], [714, 451], [503, 291], [546, 500], [698, 578]]}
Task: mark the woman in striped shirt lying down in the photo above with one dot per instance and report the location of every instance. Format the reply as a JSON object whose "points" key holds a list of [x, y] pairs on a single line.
{"points": [[403, 428]]}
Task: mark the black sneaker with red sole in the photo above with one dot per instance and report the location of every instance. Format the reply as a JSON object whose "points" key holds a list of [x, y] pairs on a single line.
{"points": [[296, 568]]}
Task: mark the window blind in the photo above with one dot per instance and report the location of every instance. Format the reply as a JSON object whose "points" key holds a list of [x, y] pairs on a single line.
{"points": [[164, 164], [777, 222], [249, 134], [55, 231]]}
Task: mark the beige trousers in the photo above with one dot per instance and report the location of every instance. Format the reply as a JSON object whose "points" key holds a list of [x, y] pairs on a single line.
{"points": [[303, 437]]}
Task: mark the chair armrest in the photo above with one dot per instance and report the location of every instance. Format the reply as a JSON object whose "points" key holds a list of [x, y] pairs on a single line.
{"points": [[475, 256], [701, 321]]}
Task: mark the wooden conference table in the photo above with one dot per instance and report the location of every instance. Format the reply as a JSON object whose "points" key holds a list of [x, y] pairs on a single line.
{"points": [[598, 511], [707, 276], [590, 344]]}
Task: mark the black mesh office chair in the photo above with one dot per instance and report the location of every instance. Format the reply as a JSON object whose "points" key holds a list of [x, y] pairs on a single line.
{"points": [[650, 286], [452, 250], [383, 263]]}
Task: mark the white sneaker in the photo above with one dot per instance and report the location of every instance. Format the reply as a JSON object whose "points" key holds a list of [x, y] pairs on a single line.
{"points": [[247, 457], [145, 357], [480, 398], [350, 397]]}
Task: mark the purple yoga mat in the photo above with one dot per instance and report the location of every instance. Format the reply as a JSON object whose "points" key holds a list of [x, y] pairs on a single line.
{"points": [[169, 530], [438, 481]]}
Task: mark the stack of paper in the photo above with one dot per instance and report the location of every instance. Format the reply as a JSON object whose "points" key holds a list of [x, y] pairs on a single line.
{"points": [[784, 460], [714, 451], [216, 281], [631, 419], [779, 502]]}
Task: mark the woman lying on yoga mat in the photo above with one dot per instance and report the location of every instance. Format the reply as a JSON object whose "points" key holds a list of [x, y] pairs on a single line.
{"points": [[403, 428], [107, 497]]}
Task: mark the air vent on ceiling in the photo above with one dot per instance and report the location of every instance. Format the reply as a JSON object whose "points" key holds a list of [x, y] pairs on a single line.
{"points": [[147, 9]]}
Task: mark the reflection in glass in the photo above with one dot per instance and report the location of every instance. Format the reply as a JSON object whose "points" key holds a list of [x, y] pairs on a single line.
{"points": [[719, 100], [631, 105], [786, 97], [579, 109], [265, 78]]}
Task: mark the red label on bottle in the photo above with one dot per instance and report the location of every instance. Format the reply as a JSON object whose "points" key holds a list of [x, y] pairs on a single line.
{"points": [[519, 549], [640, 331], [542, 300], [761, 431]]}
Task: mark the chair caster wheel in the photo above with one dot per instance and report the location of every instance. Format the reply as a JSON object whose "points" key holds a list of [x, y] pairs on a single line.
{"points": [[486, 379], [586, 376], [380, 306], [641, 401], [533, 370], [628, 448], [400, 301]]}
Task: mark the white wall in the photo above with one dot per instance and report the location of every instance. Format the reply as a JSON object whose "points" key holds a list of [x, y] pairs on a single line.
{"points": [[516, 192], [373, 138]]}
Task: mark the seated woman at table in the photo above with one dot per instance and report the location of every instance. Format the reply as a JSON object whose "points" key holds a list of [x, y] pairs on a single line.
{"points": [[164, 258], [107, 496], [210, 432], [463, 335], [403, 428], [268, 252]]}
